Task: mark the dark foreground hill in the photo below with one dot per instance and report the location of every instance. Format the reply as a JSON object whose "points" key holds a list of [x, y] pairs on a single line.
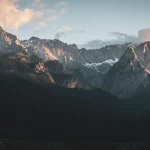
{"points": [[47, 112]]}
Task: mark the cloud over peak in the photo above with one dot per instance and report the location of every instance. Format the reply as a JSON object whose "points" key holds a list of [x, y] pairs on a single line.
{"points": [[143, 35], [120, 38], [63, 31]]}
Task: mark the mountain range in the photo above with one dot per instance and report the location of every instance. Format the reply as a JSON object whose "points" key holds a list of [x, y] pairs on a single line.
{"points": [[52, 89], [118, 69]]}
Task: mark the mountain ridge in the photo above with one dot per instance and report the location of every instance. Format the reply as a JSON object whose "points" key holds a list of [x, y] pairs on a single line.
{"points": [[65, 65]]}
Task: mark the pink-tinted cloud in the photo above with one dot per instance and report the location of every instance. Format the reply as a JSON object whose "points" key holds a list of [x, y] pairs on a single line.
{"points": [[12, 17], [143, 35]]}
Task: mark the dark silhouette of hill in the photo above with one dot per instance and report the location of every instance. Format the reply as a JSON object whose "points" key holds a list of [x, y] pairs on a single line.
{"points": [[27, 108], [34, 111]]}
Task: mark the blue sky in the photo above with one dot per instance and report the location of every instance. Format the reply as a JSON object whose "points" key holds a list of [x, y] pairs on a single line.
{"points": [[81, 21]]}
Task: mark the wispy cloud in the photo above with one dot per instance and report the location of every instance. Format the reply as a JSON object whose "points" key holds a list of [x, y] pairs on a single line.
{"points": [[38, 4], [65, 28], [122, 37], [119, 38], [61, 3], [50, 10], [95, 44], [63, 31], [40, 26], [52, 18], [64, 7]]}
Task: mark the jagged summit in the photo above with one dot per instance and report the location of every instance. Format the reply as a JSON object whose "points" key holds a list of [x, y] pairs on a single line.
{"points": [[143, 53], [34, 38], [129, 57], [126, 76], [8, 42], [74, 46]]}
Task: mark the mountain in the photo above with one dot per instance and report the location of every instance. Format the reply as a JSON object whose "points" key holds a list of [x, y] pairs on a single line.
{"points": [[16, 59], [34, 111], [29, 109], [129, 74], [143, 52], [8, 42], [117, 69], [92, 65], [33, 69], [64, 53], [51, 90], [80, 68]]}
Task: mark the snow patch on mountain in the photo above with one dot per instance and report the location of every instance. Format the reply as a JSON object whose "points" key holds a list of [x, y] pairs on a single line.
{"points": [[110, 61]]}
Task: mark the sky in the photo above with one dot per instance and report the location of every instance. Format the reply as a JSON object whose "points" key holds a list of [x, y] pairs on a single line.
{"points": [[88, 23]]}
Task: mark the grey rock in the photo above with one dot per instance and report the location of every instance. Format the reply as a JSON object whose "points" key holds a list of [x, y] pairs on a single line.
{"points": [[126, 76]]}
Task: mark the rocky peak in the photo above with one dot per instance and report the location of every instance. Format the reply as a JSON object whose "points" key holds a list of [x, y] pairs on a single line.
{"points": [[126, 76], [9, 42], [74, 46], [1, 29], [33, 38], [130, 54], [129, 59], [143, 53], [146, 47]]}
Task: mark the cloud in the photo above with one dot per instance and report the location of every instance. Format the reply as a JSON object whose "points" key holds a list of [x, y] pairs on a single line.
{"points": [[64, 9], [40, 26], [122, 37], [119, 38], [39, 14], [62, 3], [95, 44], [63, 31], [13, 18], [52, 18], [38, 4], [79, 31], [50, 10], [143, 35]]}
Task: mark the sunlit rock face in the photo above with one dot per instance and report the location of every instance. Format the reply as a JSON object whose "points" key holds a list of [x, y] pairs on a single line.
{"points": [[16, 59], [19, 64], [50, 49], [57, 50], [65, 78], [126, 76], [8, 42], [143, 52], [92, 65]]}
